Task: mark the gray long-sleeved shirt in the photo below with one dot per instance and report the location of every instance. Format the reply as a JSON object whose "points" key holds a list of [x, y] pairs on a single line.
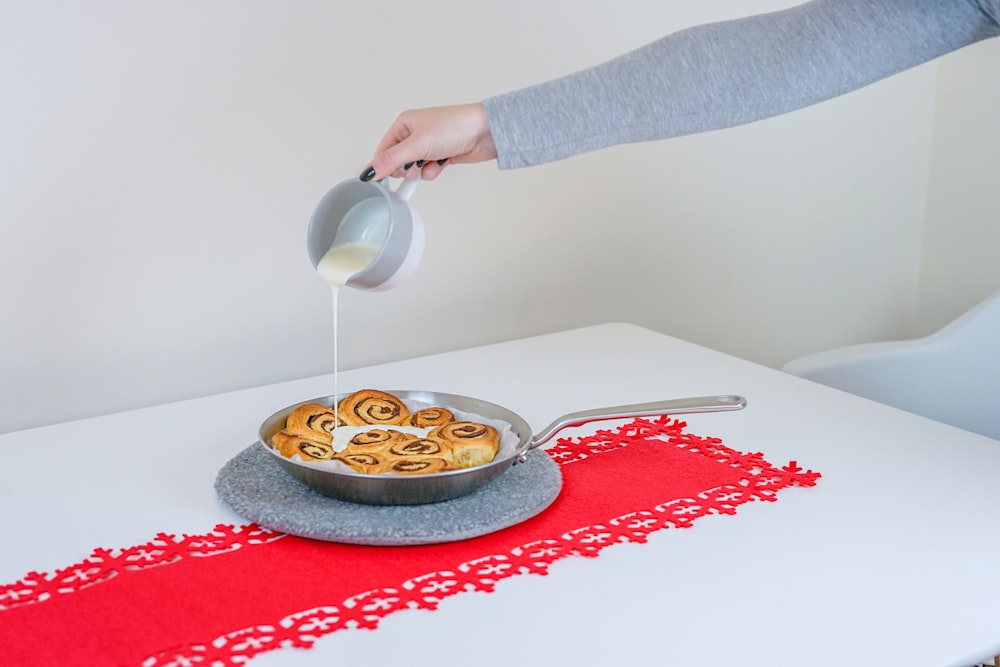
{"points": [[729, 73]]}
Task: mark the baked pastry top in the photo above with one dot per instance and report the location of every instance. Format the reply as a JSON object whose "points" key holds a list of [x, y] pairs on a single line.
{"points": [[290, 444], [431, 417], [472, 444], [444, 443], [313, 421], [371, 406]]}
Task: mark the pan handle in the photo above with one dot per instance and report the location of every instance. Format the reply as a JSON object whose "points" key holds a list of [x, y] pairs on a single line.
{"points": [[671, 407]]}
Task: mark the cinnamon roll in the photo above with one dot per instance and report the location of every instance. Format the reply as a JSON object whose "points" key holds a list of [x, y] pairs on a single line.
{"points": [[371, 406], [429, 417], [313, 421], [290, 444], [369, 463], [377, 439], [421, 447], [376, 447], [416, 465], [472, 444]]}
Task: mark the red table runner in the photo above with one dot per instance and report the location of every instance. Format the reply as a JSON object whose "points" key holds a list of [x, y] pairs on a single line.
{"points": [[222, 597]]}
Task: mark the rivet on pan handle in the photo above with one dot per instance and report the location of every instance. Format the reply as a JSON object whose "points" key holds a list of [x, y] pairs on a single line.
{"points": [[670, 407]]}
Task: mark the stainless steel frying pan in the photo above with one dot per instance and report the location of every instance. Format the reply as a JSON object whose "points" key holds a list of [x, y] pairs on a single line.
{"points": [[389, 489]]}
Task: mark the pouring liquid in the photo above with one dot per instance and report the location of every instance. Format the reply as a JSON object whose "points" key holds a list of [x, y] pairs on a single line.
{"points": [[336, 268]]}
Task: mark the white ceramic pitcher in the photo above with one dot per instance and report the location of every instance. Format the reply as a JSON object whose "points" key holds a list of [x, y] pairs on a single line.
{"points": [[357, 212]]}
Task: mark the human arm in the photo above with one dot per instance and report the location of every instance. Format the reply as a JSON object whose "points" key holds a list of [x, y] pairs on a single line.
{"points": [[730, 73], [704, 78]]}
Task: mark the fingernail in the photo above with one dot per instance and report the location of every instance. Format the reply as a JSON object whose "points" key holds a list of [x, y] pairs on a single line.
{"points": [[407, 166], [441, 162], [421, 163], [368, 174]]}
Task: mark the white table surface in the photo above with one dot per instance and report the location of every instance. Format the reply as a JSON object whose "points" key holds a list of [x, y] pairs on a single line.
{"points": [[892, 559]]}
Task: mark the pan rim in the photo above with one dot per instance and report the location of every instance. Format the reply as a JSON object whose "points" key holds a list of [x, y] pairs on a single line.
{"points": [[517, 423]]}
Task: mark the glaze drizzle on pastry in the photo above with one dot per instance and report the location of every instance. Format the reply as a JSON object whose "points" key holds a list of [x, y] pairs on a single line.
{"points": [[440, 443]]}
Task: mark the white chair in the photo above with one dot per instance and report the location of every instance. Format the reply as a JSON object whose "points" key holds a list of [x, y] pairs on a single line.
{"points": [[952, 375]]}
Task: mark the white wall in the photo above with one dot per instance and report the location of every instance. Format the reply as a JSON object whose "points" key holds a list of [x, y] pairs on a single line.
{"points": [[961, 253], [159, 161]]}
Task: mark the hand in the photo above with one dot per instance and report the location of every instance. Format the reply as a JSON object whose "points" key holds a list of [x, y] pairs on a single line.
{"points": [[431, 138]]}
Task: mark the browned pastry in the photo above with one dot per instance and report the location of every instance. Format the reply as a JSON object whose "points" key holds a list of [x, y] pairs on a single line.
{"points": [[416, 465], [377, 439], [313, 421], [368, 463], [405, 455], [429, 417], [415, 446], [371, 406], [472, 444], [290, 444], [449, 445]]}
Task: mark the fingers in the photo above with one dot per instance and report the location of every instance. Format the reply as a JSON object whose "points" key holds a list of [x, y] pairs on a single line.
{"points": [[433, 169], [458, 134], [428, 170]]}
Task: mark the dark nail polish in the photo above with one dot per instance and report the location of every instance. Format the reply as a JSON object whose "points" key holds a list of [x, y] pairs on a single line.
{"points": [[421, 163], [441, 162], [368, 174], [407, 166]]}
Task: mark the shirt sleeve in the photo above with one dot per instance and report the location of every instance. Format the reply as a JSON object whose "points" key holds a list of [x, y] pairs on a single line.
{"points": [[729, 73]]}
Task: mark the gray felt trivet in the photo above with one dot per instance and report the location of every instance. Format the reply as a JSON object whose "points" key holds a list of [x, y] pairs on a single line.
{"points": [[254, 486]]}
